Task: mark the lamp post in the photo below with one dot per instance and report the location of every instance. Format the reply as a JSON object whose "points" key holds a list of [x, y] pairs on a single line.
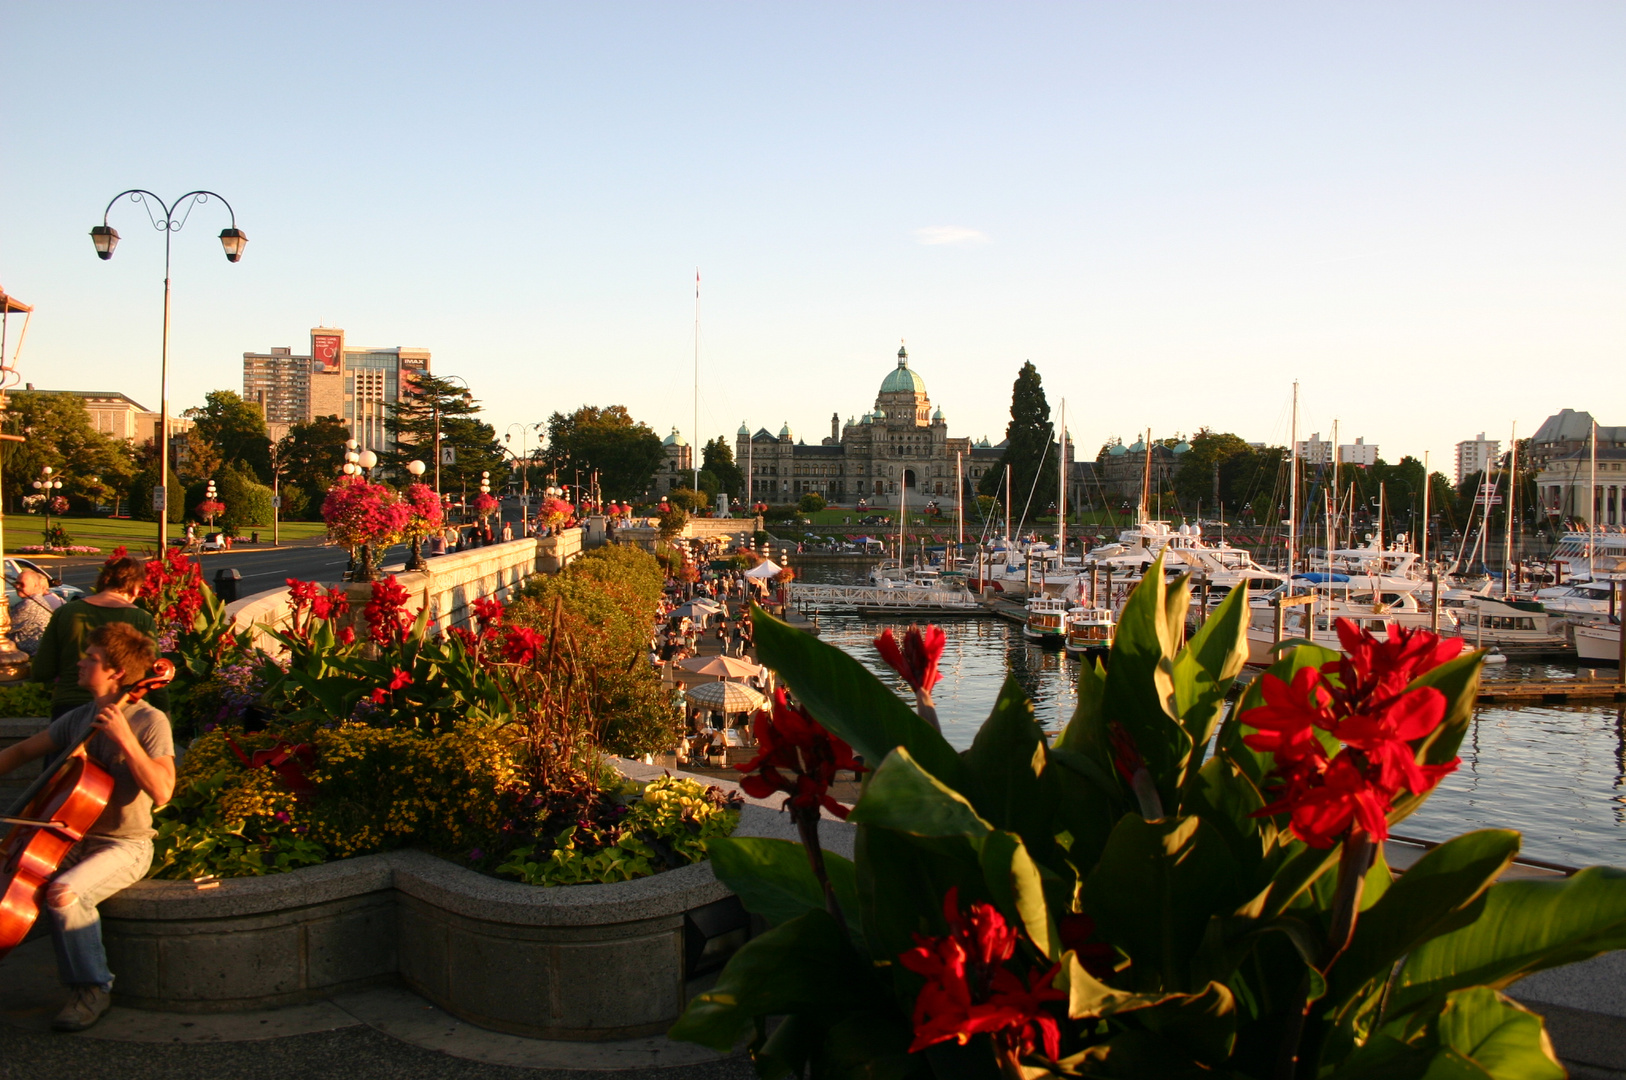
{"points": [[106, 238], [415, 559], [524, 473], [46, 485], [209, 497]]}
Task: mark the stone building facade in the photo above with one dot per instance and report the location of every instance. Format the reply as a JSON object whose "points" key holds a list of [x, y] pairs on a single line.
{"points": [[900, 449]]}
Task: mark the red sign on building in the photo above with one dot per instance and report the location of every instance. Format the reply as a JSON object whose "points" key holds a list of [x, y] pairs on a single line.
{"points": [[327, 351]]}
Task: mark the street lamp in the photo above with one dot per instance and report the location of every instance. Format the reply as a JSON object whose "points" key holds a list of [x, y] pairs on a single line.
{"points": [[415, 560], [106, 238], [524, 472], [45, 485], [209, 497]]}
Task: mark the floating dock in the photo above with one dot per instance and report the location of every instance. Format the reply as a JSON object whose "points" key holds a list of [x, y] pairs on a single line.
{"points": [[1550, 691]]}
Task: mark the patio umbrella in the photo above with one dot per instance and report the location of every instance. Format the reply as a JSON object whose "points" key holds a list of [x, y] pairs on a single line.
{"points": [[724, 667], [728, 697], [707, 602], [693, 610]]}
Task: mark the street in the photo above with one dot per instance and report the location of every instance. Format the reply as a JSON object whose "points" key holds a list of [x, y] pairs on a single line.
{"points": [[262, 568]]}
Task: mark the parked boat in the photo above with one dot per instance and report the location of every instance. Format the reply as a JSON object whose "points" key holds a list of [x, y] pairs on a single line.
{"points": [[1598, 643], [1044, 620], [1089, 631]]}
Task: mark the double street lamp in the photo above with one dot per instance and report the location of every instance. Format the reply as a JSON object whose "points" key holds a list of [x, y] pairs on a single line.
{"points": [[47, 485], [106, 238]]}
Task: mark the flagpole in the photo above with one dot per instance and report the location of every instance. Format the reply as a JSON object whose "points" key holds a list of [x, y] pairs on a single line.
{"points": [[694, 447]]}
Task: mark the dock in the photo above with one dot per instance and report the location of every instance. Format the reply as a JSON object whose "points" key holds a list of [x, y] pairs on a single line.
{"points": [[882, 600], [1550, 691]]}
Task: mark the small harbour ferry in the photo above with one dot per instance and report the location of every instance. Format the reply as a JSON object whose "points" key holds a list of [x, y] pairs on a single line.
{"points": [[1089, 631], [1045, 615]]}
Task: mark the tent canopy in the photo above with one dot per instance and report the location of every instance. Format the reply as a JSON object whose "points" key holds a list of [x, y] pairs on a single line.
{"points": [[767, 568]]}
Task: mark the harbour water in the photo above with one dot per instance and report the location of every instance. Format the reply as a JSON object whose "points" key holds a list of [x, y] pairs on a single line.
{"points": [[1556, 773]]}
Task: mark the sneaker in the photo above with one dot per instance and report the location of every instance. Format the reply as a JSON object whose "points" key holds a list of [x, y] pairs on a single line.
{"points": [[86, 1007]]}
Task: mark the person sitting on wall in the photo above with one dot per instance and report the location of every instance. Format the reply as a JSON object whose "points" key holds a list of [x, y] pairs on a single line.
{"points": [[135, 745], [31, 611]]}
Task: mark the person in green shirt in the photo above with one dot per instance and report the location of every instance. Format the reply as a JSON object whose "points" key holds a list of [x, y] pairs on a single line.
{"points": [[68, 633]]}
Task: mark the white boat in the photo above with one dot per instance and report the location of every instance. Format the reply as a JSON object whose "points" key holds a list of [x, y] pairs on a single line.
{"points": [[1044, 620], [1089, 631], [1597, 643], [1579, 601], [1516, 625]]}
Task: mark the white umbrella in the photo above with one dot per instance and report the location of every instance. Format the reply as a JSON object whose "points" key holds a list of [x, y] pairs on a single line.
{"points": [[707, 602], [767, 568], [724, 667], [693, 610], [729, 697]]}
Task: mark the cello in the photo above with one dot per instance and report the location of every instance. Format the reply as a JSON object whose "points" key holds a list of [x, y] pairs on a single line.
{"points": [[53, 815]]}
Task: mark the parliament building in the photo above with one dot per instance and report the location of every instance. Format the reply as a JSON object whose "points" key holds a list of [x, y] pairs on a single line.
{"points": [[899, 449]]}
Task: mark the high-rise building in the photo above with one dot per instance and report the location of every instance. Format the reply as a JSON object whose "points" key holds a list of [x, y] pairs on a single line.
{"points": [[1314, 451], [1359, 452], [354, 384], [1476, 455]]}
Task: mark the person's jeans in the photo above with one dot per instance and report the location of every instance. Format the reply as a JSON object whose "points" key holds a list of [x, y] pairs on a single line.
{"points": [[95, 869]]}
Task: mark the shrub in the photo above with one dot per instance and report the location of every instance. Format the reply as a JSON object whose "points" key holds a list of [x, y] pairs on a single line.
{"points": [[248, 502], [811, 503], [24, 699]]}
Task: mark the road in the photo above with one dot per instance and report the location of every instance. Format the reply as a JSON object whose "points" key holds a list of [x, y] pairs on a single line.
{"points": [[262, 567]]}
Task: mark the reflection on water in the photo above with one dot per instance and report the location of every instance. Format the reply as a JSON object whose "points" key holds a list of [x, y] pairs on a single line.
{"points": [[1553, 772]]}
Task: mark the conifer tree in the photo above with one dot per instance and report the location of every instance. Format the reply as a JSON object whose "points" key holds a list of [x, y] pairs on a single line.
{"points": [[1030, 448]]}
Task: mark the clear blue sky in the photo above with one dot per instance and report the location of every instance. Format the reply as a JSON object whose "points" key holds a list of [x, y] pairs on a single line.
{"points": [[1174, 210]]}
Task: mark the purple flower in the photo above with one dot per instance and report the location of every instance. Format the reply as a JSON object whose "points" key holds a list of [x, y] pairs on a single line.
{"points": [[282, 816], [475, 855]]}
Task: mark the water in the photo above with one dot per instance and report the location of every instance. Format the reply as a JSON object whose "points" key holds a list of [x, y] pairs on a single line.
{"points": [[1556, 773]]}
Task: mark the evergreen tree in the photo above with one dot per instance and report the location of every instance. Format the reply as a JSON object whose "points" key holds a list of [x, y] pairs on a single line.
{"points": [[425, 403], [1030, 449], [311, 457], [718, 459]]}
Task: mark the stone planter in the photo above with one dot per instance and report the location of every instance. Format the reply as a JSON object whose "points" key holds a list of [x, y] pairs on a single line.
{"points": [[581, 962]]}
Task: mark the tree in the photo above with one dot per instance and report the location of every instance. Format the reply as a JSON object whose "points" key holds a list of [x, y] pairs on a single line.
{"points": [[811, 503], [236, 430], [198, 459], [718, 459], [426, 401], [310, 458], [624, 452], [1030, 448], [57, 433]]}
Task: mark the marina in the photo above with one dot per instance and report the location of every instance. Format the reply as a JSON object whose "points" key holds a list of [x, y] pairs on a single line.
{"points": [[1546, 753]]}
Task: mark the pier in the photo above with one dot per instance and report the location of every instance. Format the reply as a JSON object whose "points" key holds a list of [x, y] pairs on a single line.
{"points": [[885, 600]]}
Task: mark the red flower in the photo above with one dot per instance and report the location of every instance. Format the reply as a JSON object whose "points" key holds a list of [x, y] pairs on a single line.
{"points": [[521, 645], [969, 991], [916, 661], [399, 679], [466, 636], [1361, 699], [796, 755], [380, 695], [347, 636], [387, 618]]}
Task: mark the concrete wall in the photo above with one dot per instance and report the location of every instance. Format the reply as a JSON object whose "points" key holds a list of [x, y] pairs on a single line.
{"points": [[449, 586], [586, 962]]}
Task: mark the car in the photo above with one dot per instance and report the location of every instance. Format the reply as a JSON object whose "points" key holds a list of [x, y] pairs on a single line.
{"points": [[213, 542], [17, 566]]}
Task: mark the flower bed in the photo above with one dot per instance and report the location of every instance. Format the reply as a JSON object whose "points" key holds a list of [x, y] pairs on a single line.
{"points": [[69, 549], [1165, 889]]}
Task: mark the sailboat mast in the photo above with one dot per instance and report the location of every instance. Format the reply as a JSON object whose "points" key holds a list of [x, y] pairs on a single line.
{"points": [[1426, 486], [1512, 489], [1592, 505], [1335, 497], [1293, 485], [1061, 498], [1146, 475], [694, 446], [1007, 505], [959, 503]]}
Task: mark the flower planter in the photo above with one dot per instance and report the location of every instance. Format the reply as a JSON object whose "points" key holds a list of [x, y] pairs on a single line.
{"points": [[587, 962]]}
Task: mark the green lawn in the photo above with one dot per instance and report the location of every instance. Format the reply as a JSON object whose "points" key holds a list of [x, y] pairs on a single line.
{"points": [[23, 530]]}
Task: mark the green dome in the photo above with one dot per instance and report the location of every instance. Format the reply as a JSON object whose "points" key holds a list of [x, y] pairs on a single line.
{"points": [[744, 430], [901, 380], [674, 439]]}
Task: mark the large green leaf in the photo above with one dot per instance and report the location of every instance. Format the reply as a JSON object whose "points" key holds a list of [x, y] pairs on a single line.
{"points": [[902, 796], [846, 698], [1085, 733], [1525, 926], [773, 878], [1085, 803], [1505, 1040], [1435, 896], [805, 966], [1205, 669], [1459, 682], [1018, 891], [1140, 691], [1006, 764], [1154, 890]]}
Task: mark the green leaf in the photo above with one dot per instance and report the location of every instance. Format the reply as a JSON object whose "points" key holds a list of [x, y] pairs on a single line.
{"points": [[1434, 896], [1505, 1040], [1006, 764], [1140, 692], [773, 878], [846, 698], [1525, 926], [1204, 1023], [806, 965], [1085, 732], [902, 796], [1154, 890], [1013, 879], [1459, 682], [1220, 644]]}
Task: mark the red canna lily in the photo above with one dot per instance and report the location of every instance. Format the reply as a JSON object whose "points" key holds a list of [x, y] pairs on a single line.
{"points": [[521, 644], [970, 992], [1363, 700], [916, 660], [796, 755], [400, 679]]}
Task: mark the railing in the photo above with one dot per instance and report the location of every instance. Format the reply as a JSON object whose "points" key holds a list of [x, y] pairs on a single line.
{"points": [[902, 597]]}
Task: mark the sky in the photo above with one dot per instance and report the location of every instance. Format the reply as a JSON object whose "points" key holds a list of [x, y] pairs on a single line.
{"points": [[1174, 210]]}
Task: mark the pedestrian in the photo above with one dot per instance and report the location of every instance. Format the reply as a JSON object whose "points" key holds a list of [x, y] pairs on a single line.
{"points": [[66, 636]]}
